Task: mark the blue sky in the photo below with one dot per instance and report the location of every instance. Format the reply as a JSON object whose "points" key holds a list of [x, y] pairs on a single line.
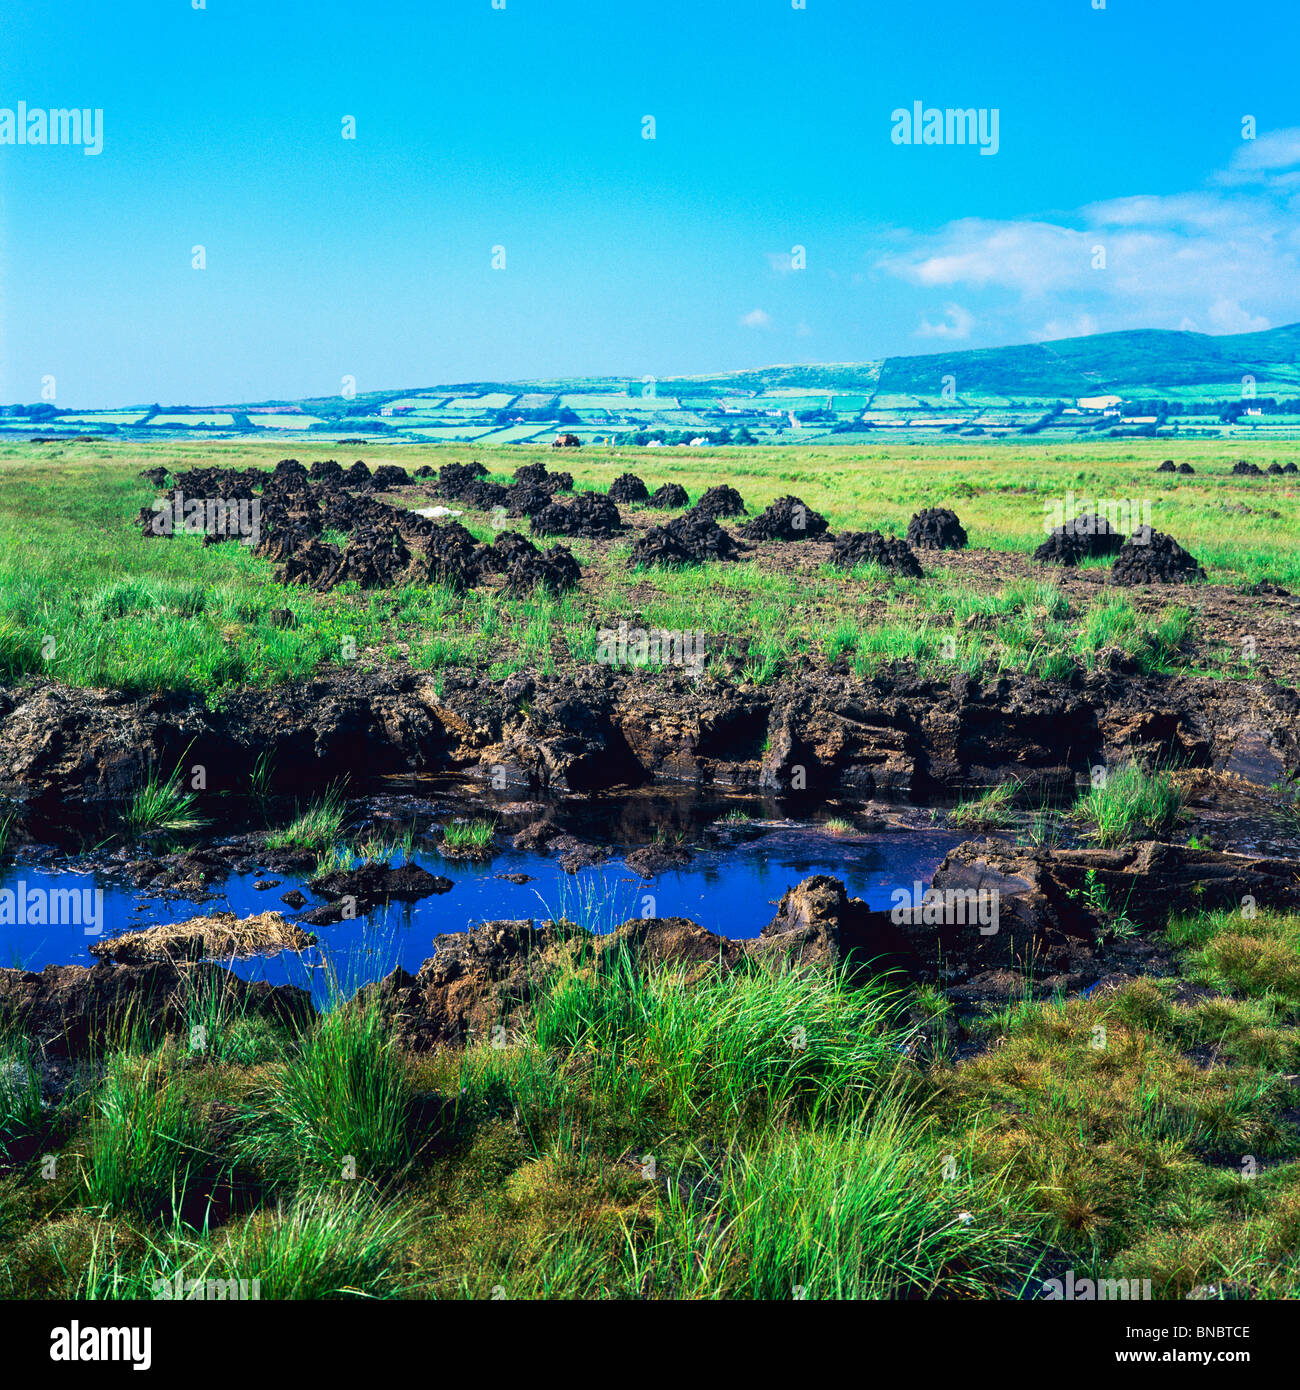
{"points": [[478, 127]]}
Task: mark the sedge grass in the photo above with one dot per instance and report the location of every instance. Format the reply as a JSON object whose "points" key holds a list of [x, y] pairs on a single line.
{"points": [[1129, 804]]}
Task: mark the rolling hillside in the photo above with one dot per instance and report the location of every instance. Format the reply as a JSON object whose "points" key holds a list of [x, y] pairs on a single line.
{"points": [[1168, 383]]}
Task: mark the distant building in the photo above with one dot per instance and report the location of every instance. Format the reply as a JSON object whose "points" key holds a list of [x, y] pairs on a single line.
{"points": [[1098, 402]]}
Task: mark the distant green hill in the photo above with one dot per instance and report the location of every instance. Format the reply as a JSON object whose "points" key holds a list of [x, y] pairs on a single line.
{"points": [[1141, 361], [1137, 361], [1169, 380]]}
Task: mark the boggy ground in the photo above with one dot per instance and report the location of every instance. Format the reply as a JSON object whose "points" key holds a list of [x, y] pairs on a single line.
{"points": [[852, 1106], [87, 600], [832, 1110], [123, 652]]}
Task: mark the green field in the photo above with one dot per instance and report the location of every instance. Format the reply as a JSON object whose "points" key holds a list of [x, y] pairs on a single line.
{"points": [[649, 1132], [214, 419], [285, 422], [125, 611]]}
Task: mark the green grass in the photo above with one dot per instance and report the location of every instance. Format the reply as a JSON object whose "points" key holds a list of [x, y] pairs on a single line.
{"points": [[1256, 956], [143, 1138], [328, 1244], [316, 828], [858, 1210], [162, 805], [372, 849], [220, 1029], [339, 1107], [657, 1131], [991, 809], [21, 1109], [468, 836], [1114, 624], [1102, 1127], [1132, 803], [86, 600], [742, 1049]]}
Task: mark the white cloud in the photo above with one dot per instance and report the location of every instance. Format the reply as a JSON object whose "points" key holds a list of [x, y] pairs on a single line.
{"points": [[1277, 149], [1227, 316], [956, 323], [756, 318], [1227, 258], [1083, 326], [1029, 256]]}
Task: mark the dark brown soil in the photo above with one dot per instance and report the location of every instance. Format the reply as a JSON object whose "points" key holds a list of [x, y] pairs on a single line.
{"points": [[721, 501], [539, 476], [627, 489], [590, 514], [669, 496], [1085, 537], [689, 539]]}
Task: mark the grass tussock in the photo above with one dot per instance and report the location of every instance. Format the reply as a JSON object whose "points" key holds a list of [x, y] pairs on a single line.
{"points": [[736, 1049], [1103, 1123], [21, 1105], [989, 810], [1130, 804], [468, 838], [1244, 951], [340, 1107], [316, 828], [858, 1210], [162, 804], [143, 1138]]}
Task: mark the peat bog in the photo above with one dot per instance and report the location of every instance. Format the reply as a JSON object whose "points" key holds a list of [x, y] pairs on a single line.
{"points": [[691, 873]]}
